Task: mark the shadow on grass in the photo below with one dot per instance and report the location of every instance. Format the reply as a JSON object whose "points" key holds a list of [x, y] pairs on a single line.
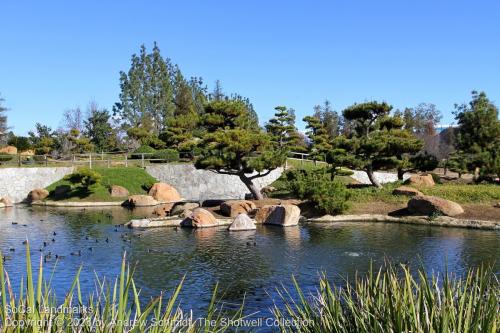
{"points": [[65, 192]]}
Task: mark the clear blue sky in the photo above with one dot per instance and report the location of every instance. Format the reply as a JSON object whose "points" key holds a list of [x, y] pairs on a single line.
{"points": [[59, 54]]}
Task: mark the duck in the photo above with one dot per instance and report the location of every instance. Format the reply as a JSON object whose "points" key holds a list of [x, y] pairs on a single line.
{"points": [[53, 240], [78, 253], [12, 249], [44, 244], [54, 233], [90, 248], [107, 240], [60, 257], [25, 242], [15, 223]]}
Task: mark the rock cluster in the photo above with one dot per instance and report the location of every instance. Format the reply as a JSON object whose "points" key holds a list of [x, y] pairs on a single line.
{"points": [[5, 202], [406, 190], [282, 215], [232, 208], [421, 180], [164, 192], [37, 194], [200, 218], [242, 222]]}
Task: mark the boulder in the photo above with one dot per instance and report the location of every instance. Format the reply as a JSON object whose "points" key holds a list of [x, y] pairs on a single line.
{"points": [[180, 207], [497, 205], [5, 202], [200, 218], [282, 215], [139, 200], [164, 192], [118, 191], [262, 213], [10, 150], [242, 222], [406, 190], [421, 180], [163, 210], [429, 205], [232, 208], [37, 194]]}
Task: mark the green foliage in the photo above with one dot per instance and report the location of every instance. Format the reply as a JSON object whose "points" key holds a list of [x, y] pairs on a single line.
{"points": [[3, 122], [234, 145], [144, 149], [422, 119], [132, 178], [316, 185], [84, 177], [478, 136], [6, 157], [100, 132], [42, 139], [424, 162], [394, 299], [282, 129], [22, 143], [318, 135], [377, 142], [436, 178], [169, 155]]}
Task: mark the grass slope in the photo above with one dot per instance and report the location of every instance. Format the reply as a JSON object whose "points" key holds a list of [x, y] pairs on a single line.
{"points": [[132, 178]]}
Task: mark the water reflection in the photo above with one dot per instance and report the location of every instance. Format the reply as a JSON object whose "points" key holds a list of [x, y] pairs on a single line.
{"points": [[248, 264]]}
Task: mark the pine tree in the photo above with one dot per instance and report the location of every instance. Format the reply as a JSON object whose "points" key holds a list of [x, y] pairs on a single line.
{"points": [[282, 129], [478, 136], [234, 145], [3, 123], [99, 130], [377, 142], [318, 135], [146, 97]]}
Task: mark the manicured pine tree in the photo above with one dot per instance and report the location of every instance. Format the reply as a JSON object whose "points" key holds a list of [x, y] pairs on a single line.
{"points": [[234, 145], [282, 129], [318, 136], [99, 130]]}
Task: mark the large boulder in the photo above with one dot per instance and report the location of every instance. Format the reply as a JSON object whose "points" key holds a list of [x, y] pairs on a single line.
{"points": [[242, 222], [180, 207], [421, 180], [164, 192], [118, 191], [139, 200], [200, 218], [429, 205], [5, 202], [10, 150], [282, 215], [163, 210], [232, 208], [406, 190], [37, 194]]}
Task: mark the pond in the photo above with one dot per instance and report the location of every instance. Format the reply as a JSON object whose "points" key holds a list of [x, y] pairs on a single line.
{"points": [[248, 265]]}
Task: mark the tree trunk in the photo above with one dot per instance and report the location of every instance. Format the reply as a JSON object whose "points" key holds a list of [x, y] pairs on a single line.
{"points": [[251, 187], [371, 177], [401, 173]]}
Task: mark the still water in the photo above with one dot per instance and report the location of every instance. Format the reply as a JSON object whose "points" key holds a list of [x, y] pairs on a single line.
{"points": [[162, 256]]}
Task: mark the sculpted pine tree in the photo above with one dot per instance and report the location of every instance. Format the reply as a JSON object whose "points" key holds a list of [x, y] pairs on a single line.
{"points": [[376, 142], [235, 145], [282, 129], [99, 130], [318, 135], [478, 136]]}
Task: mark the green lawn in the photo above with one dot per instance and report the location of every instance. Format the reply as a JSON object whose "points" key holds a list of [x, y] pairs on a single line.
{"points": [[134, 179]]}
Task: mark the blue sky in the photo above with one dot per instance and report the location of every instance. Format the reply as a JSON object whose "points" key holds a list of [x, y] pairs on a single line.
{"points": [[56, 55]]}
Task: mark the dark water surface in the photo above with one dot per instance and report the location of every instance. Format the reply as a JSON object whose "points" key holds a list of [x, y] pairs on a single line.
{"points": [[214, 255]]}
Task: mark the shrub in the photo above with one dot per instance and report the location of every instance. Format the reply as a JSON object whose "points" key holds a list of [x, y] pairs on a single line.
{"points": [[316, 185], [84, 177], [144, 149], [5, 157], [168, 155]]}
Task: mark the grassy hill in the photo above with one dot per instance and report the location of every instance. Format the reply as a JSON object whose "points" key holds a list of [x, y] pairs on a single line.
{"points": [[135, 180]]}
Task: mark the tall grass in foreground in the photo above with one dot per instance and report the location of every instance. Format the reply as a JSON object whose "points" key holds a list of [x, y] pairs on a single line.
{"points": [[112, 307], [390, 301], [387, 300]]}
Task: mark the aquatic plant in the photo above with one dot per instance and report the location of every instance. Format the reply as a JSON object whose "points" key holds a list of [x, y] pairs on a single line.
{"points": [[392, 300]]}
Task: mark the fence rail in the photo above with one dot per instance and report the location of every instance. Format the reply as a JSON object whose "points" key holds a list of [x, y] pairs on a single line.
{"points": [[119, 159]]}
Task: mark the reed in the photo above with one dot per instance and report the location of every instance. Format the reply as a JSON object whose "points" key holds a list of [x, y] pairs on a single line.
{"points": [[392, 300]]}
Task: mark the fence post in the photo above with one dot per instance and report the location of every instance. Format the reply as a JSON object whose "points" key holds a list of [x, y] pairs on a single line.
{"points": [[18, 160], [142, 160], [126, 160], [108, 163], [90, 161], [102, 155], [46, 161]]}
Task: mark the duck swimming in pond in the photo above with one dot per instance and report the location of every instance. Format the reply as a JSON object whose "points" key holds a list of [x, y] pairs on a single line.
{"points": [[79, 253]]}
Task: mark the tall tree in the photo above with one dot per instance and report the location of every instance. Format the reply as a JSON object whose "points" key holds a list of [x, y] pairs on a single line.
{"points": [[329, 118], [478, 136], [282, 129], [99, 130], [422, 119], [3, 123], [43, 139], [234, 144], [146, 97], [217, 94], [318, 136], [377, 142], [73, 119]]}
